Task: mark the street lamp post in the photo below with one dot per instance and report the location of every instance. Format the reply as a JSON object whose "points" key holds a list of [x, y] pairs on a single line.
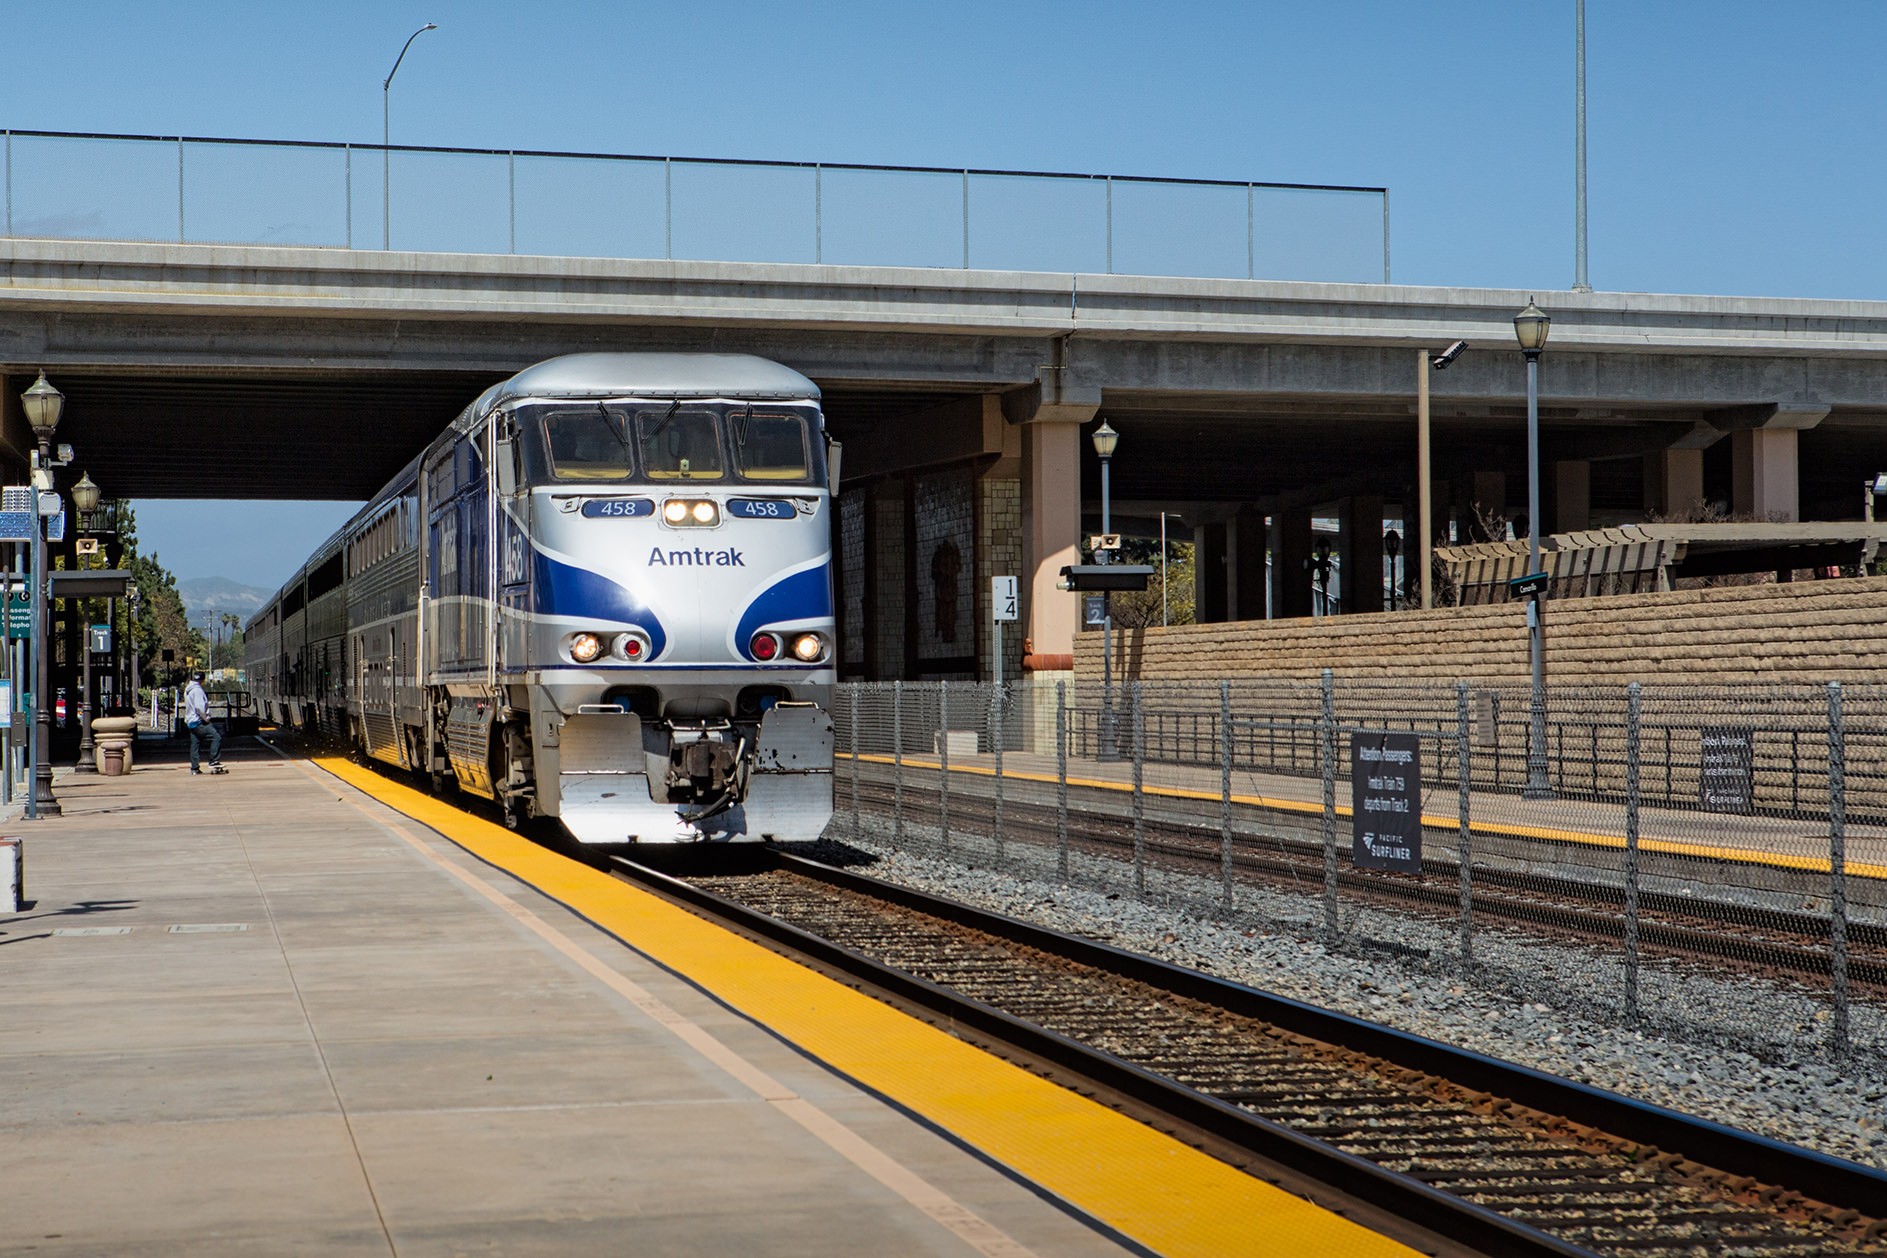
{"points": [[1165, 612], [1392, 546], [386, 131], [1530, 328], [131, 646], [1424, 526], [85, 502], [1105, 439], [42, 404]]}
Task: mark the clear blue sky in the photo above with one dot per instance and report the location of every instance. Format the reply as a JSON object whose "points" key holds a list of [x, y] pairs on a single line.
{"points": [[1734, 145]]}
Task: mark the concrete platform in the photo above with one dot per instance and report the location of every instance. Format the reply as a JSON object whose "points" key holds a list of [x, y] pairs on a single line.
{"points": [[261, 1013]]}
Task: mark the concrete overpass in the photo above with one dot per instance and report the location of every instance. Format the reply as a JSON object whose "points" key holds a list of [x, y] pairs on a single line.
{"points": [[235, 371]]}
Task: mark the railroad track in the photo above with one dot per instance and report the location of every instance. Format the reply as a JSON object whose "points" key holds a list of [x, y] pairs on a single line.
{"points": [[1472, 1154], [1766, 942]]}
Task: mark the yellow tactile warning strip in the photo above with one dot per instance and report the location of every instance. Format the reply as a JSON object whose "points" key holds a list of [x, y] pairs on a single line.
{"points": [[1149, 1187], [1702, 851]]}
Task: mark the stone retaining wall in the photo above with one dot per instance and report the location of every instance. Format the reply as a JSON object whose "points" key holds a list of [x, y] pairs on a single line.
{"points": [[1806, 632]]}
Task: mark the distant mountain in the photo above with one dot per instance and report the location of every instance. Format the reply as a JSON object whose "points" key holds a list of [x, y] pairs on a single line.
{"points": [[206, 598]]}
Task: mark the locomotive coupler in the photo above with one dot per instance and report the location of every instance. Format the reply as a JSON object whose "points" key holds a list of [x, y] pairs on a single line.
{"points": [[702, 761]]}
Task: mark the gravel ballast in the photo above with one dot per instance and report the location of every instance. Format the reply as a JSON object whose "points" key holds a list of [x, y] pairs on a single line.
{"points": [[1269, 942]]}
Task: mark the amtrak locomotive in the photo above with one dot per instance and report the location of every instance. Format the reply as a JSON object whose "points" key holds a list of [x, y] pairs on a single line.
{"points": [[604, 594]]}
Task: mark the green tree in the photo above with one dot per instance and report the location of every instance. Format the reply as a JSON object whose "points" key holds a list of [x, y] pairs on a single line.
{"points": [[162, 623]]}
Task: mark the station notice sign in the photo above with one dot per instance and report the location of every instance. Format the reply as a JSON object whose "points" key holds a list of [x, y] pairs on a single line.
{"points": [[19, 615], [1726, 782], [1386, 800]]}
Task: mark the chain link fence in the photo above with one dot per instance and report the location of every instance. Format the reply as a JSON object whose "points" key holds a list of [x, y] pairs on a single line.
{"points": [[1705, 863]]}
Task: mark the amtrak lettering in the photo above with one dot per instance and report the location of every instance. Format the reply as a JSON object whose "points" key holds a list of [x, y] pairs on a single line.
{"points": [[696, 558]]}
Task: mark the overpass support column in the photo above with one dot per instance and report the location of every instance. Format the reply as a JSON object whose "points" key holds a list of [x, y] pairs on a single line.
{"points": [[1051, 420], [1572, 495], [1245, 566], [1763, 473], [1360, 551], [1291, 576], [1674, 481], [1211, 573]]}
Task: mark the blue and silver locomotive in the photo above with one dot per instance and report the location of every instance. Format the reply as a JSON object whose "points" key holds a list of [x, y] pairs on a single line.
{"points": [[604, 594]]}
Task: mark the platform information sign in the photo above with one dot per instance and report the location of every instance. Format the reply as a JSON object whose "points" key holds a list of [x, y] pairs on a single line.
{"points": [[19, 615], [1727, 782], [1003, 598], [1386, 799]]}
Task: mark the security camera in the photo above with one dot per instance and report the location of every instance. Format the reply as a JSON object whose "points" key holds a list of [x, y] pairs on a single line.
{"points": [[1438, 361]]}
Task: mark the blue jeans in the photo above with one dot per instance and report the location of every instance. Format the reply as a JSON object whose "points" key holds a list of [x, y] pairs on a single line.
{"points": [[206, 729]]}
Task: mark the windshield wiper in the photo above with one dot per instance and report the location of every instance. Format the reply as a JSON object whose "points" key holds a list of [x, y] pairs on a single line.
{"points": [[617, 428], [663, 421], [740, 426]]}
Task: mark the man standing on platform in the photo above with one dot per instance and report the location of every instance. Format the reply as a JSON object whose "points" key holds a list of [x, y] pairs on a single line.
{"points": [[196, 718]]}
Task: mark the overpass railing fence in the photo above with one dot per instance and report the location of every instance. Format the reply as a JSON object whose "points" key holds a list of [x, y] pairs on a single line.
{"points": [[74, 186], [1709, 862]]}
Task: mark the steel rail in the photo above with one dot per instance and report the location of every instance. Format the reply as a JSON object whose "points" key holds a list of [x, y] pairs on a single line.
{"points": [[1831, 1180], [1473, 1226]]}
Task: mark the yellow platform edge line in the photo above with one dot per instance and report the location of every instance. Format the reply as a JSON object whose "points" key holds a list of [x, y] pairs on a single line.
{"points": [[1156, 1190], [1584, 838]]}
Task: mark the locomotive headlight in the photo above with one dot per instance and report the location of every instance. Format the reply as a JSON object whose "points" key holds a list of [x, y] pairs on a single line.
{"points": [[691, 513], [809, 647], [585, 647]]}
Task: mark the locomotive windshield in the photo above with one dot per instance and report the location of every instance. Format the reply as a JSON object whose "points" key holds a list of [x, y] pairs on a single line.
{"points": [[666, 442], [770, 446], [587, 444], [680, 444]]}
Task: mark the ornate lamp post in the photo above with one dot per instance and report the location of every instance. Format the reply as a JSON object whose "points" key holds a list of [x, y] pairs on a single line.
{"points": [[85, 501], [42, 404], [1530, 328], [1105, 439]]}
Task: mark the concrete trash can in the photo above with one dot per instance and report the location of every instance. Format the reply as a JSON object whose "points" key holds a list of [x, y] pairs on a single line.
{"points": [[113, 760]]}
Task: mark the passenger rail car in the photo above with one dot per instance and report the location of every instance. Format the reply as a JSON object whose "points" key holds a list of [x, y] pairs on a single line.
{"points": [[603, 594]]}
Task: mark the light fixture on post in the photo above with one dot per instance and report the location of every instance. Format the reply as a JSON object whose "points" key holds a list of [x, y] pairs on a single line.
{"points": [[386, 131], [43, 405], [1105, 439], [1530, 328], [85, 496]]}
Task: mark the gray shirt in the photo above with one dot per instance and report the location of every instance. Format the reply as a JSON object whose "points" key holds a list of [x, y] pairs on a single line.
{"points": [[196, 704]]}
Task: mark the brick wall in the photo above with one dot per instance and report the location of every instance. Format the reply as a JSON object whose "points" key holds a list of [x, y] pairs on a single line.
{"points": [[999, 554], [1816, 631]]}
